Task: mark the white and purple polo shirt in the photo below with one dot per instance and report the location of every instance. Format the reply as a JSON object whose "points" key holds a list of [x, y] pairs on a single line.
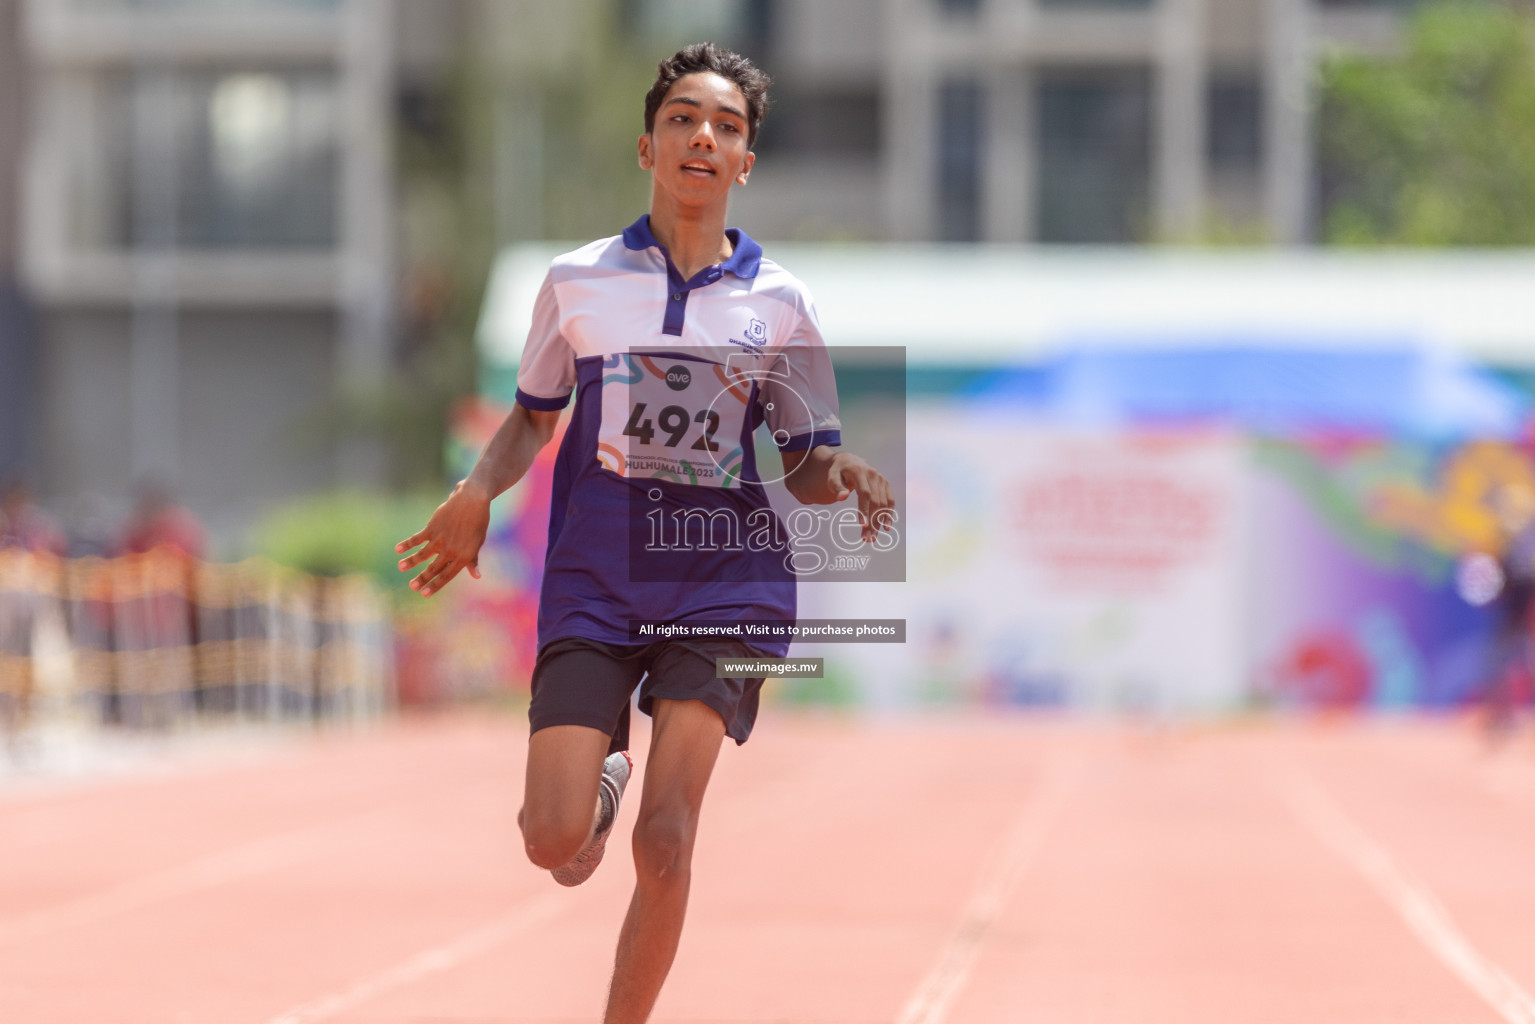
{"points": [[658, 511]]}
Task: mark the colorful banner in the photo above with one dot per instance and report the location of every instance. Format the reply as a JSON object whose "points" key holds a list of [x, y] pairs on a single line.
{"points": [[1049, 567], [1356, 544], [1163, 571], [1146, 570]]}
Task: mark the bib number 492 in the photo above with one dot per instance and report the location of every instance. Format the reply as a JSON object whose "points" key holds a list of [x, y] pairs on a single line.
{"points": [[673, 421]]}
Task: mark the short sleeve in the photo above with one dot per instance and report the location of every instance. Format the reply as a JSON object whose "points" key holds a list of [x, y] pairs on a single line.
{"points": [[800, 397], [547, 374]]}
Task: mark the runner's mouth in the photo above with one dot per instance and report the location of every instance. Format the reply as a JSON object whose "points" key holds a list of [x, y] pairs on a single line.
{"points": [[698, 170]]}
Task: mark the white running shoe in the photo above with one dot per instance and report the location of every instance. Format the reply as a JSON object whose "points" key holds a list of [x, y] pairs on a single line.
{"points": [[615, 776]]}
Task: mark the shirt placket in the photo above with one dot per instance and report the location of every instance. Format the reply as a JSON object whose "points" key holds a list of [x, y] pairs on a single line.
{"points": [[677, 291]]}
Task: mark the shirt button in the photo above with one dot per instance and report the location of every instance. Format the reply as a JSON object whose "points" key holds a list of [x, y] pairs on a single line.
{"points": [[676, 296]]}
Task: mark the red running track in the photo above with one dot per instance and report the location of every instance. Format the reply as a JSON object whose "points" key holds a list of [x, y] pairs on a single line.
{"points": [[955, 869]]}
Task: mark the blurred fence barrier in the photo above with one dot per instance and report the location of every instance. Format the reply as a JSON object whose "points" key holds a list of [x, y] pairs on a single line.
{"points": [[159, 640]]}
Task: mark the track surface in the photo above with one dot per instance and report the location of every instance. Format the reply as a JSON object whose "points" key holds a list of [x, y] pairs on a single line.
{"points": [[959, 869]]}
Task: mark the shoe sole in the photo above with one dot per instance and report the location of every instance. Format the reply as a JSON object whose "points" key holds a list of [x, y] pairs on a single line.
{"points": [[580, 867]]}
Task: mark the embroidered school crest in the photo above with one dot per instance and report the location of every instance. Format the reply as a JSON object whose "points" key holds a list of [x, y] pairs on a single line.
{"points": [[754, 338]]}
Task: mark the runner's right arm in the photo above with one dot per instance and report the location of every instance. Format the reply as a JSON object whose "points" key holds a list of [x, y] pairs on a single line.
{"points": [[453, 536]]}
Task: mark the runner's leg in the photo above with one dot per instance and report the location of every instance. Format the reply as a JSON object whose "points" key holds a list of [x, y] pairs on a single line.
{"points": [[684, 744], [560, 801]]}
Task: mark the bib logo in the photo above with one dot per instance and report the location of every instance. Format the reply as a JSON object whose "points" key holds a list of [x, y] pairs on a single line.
{"points": [[678, 378]]}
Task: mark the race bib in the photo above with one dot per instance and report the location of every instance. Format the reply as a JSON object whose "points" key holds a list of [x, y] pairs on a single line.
{"points": [[671, 418]]}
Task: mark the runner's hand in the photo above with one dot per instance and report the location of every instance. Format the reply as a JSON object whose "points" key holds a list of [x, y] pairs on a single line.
{"points": [[876, 502], [452, 539]]}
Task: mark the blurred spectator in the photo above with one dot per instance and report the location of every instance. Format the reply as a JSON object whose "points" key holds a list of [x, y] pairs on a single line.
{"points": [[24, 532], [22, 524], [1511, 665], [154, 611], [157, 522], [89, 528]]}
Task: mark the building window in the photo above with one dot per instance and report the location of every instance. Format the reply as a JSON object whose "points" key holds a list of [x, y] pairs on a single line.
{"points": [[960, 105], [1235, 131], [678, 22], [758, 25], [1094, 155], [835, 122], [209, 159]]}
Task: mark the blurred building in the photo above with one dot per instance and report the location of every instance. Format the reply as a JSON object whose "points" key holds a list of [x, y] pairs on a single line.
{"points": [[207, 238], [1078, 121], [1071, 121], [200, 209], [1030, 120], [17, 346]]}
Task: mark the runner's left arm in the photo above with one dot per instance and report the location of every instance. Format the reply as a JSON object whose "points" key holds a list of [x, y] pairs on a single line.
{"points": [[453, 536], [816, 470], [545, 379], [823, 476]]}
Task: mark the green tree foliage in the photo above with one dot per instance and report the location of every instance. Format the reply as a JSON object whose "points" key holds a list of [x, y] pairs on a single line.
{"points": [[345, 532], [529, 135], [1435, 146], [444, 247], [593, 185], [573, 78]]}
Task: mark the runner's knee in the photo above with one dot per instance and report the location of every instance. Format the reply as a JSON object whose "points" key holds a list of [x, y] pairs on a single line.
{"points": [[663, 843], [552, 839]]}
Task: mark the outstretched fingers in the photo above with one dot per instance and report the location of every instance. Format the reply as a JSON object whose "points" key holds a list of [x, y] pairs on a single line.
{"points": [[410, 562], [876, 501], [448, 544], [436, 575], [866, 514]]}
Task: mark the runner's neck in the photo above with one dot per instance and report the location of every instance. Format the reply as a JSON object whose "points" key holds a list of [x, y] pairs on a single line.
{"points": [[693, 239]]}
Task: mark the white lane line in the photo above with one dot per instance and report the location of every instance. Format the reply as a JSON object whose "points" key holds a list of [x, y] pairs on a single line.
{"points": [[779, 798], [1413, 901], [233, 865], [934, 997], [530, 912]]}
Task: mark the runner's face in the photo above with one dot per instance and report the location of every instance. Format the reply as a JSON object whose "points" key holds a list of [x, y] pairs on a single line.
{"points": [[697, 148]]}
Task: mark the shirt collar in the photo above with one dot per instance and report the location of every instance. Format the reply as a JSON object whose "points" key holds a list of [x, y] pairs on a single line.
{"points": [[745, 256]]}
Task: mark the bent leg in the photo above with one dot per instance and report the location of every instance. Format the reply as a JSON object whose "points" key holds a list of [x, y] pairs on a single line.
{"points": [[684, 744], [560, 800]]}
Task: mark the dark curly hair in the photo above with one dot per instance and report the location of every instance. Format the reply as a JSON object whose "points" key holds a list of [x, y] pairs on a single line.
{"points": [[729, 65]]}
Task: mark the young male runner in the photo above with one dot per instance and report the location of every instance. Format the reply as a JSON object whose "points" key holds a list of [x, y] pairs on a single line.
{"points": [[678, 338]]}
